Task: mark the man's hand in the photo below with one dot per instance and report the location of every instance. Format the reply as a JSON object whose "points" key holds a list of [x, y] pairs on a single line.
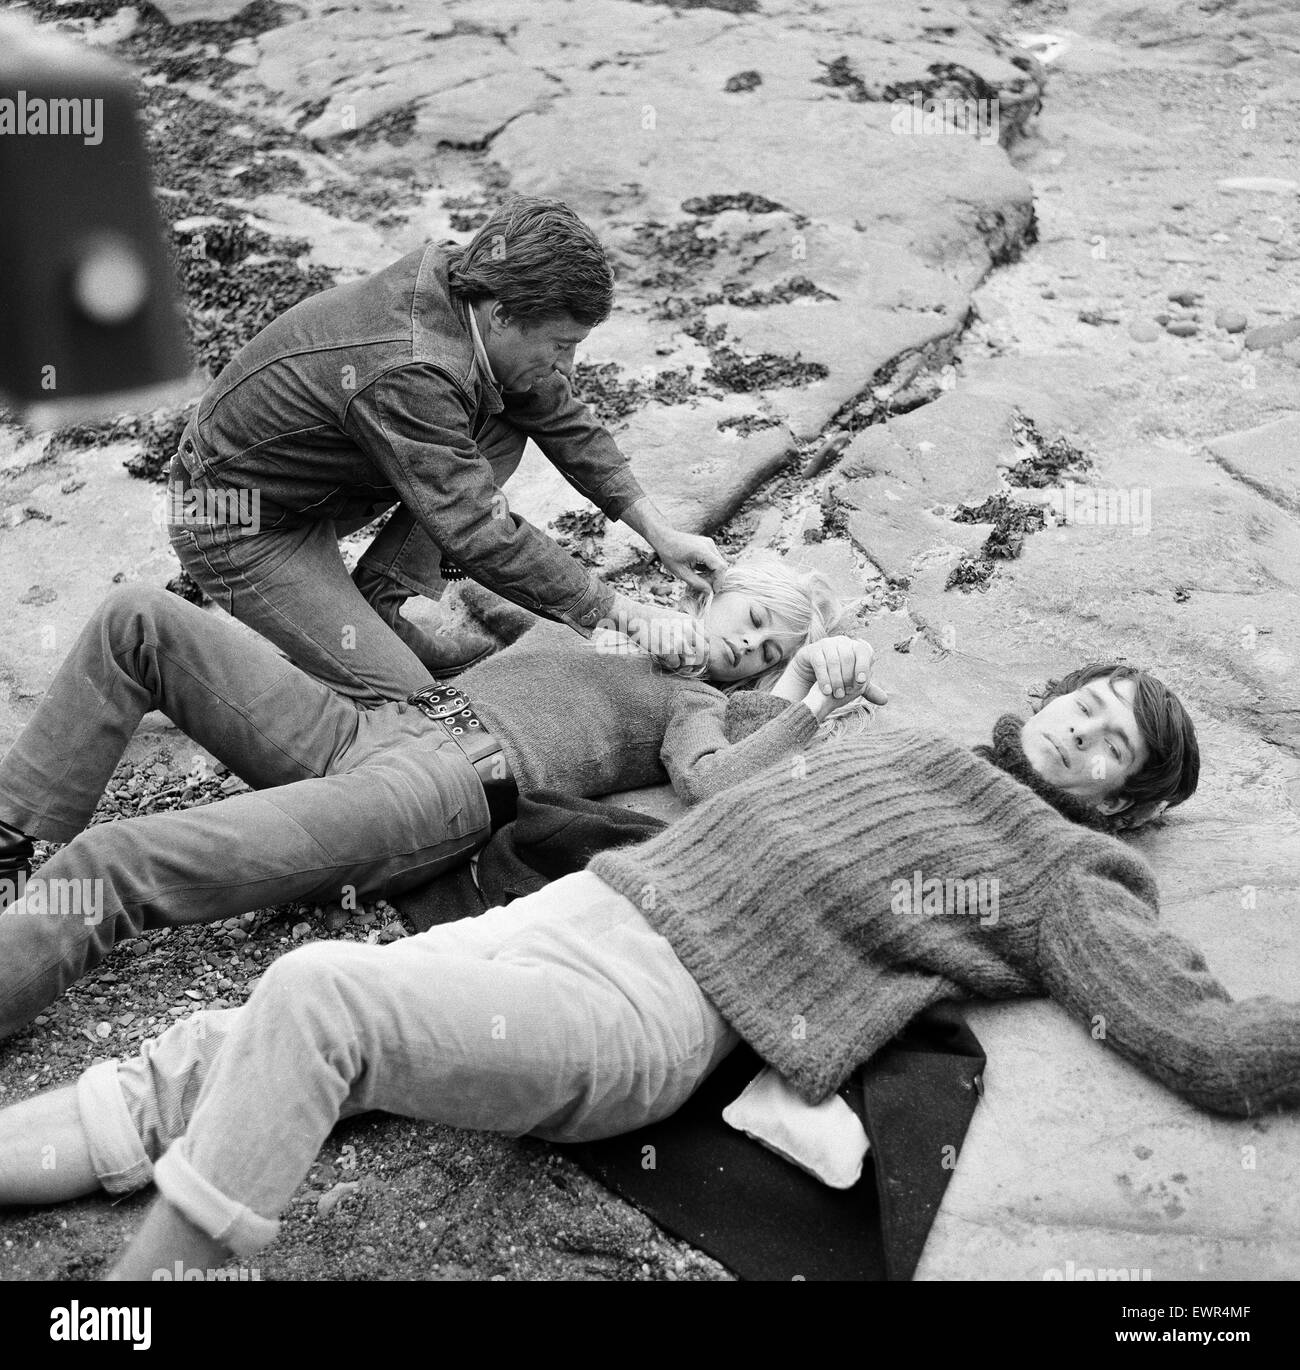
{"points": [[686, 555], [830, 673], [675, 639], [691, 558]]}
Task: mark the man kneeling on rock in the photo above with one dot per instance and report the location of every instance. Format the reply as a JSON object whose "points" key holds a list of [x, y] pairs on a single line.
{"points": [[414, 390]]}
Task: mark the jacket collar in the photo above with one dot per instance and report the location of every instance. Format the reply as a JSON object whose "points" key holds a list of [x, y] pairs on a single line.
{"points": [[1008, 755], [480, 352], [440, 331]]}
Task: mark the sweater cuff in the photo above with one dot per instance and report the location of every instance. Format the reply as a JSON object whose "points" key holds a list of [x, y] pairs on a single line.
{"points": [[749, 710], [799, 722]]}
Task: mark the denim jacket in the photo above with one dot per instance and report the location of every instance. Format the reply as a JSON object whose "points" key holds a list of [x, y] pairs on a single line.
{"points": [[370, 393]]}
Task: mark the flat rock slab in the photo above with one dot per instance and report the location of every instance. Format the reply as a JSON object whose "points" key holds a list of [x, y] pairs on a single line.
{"points": [[108, 529], [1075, 1163], [1259, 185], [1265, 458], [623, 111], [350, 248]]}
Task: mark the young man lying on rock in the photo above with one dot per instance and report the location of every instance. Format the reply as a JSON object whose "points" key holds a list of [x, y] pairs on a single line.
{"points": [[767, 913]]}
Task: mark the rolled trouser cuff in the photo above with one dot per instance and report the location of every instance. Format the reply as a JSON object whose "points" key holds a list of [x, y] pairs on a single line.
{"points": [[225, 1220], [116, 1151]]}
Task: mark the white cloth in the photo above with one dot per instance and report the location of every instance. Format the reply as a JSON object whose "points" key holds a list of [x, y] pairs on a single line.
{"points": [[827, 1139]]}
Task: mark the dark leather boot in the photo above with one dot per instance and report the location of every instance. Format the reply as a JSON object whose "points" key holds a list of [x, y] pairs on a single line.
{"points": [[15, 865], [505, 621], [444, 648]]}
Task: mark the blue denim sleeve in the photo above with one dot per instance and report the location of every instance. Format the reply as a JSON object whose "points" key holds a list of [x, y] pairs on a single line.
{"points": [[415, 425], [579, 447]]}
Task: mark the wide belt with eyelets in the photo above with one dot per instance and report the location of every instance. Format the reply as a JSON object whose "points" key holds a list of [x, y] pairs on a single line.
{"points": [[447, 705]]}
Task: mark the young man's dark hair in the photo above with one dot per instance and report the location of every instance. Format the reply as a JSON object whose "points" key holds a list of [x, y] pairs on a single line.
{"points": [[1173, 764], [540, 261]]}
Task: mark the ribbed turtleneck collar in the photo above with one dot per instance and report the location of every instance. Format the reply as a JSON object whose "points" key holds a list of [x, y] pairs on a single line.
{"points": [[1007, 754]]}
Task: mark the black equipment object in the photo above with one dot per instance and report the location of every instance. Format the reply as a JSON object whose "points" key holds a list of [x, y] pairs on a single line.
{"points": [[86, 285]]}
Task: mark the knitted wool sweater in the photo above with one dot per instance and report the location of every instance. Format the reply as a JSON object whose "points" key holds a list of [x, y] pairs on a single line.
{"points": [[583, 721], [827, 900]]}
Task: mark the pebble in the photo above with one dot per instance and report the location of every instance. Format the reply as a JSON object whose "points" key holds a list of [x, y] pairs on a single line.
{"points": [[1227, 352], [1273, 335], [1259, 185], [1143, 331], [1269, 233], [328, 1201], [1181, 328], [1285, 253], [1230, 320], [301, 930], [336, 918], [1185, 297]]}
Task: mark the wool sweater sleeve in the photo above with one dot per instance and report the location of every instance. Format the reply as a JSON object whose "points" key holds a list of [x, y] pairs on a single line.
{"points": [[714, 740], [1149, 995]]}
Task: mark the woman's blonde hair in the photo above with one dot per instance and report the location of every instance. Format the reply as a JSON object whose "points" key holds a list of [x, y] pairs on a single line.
{"points": [[801, 602]]}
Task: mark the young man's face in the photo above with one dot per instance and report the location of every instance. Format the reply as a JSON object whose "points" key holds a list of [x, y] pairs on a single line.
{"points": [[523, 355], [1087, 742]]}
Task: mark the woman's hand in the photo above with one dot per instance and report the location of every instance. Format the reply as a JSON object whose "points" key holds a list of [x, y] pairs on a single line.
{"points": [[830, 673]]}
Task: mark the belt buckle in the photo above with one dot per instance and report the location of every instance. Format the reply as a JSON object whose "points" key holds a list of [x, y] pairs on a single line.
{"points": [[434, 704]]}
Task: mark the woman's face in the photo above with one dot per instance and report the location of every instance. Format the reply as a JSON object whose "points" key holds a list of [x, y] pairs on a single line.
{"points": [[743, 639]]}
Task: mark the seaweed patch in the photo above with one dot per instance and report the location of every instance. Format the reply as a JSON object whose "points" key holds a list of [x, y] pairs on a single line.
{"points": [[1011, 521]]}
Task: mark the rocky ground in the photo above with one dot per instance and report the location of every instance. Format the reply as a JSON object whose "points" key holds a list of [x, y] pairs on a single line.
{"points": [[1028, 398]]}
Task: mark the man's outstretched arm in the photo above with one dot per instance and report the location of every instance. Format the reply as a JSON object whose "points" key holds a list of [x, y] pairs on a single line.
{"points": [[1148, 994], [586, 455]]}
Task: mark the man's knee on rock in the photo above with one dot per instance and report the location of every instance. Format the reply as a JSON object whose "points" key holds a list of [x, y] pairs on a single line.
{"points": [[127, 608]]}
